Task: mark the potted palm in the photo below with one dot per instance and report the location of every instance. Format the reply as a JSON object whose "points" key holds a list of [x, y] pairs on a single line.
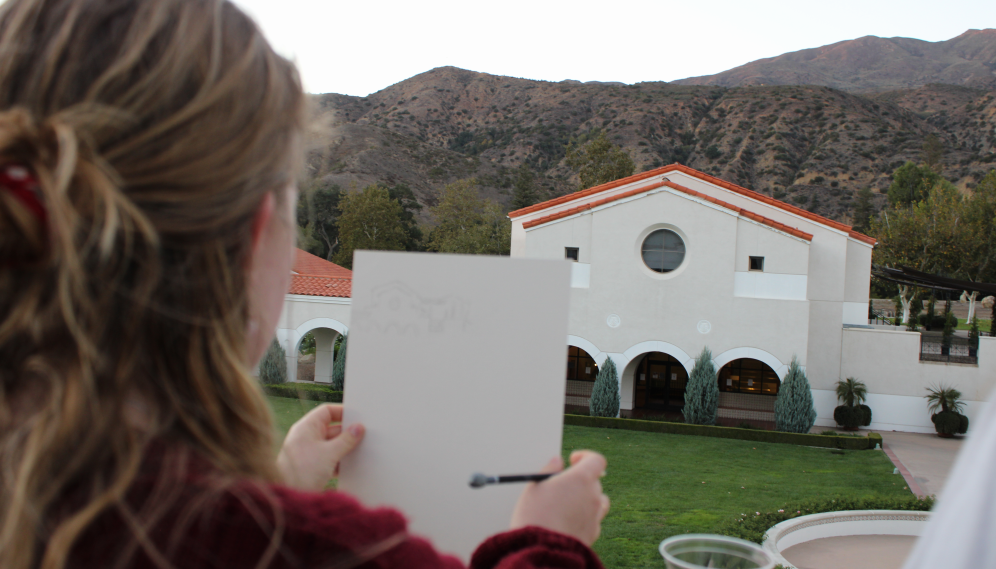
{"points": [[945, 406], [852, 414]]}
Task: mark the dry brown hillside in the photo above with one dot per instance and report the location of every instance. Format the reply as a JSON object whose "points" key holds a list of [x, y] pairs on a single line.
{"points": [[873, 64], [810, 145]]}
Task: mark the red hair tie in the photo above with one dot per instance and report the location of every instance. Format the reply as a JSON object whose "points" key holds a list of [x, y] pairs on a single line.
{"points": [[20, 182]]}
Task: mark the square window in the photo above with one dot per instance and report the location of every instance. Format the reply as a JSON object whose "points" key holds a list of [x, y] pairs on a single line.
{"points": [[757, 263], [571, 253]]}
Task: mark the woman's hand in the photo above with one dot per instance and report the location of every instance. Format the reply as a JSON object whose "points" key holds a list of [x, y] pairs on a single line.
{"points": [[314, 446], [571, 502]]}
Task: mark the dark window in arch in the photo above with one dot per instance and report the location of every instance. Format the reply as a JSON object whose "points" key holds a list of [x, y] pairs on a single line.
{"points": [[659, 383], [580, 366], [663, 251], [748, 376]]}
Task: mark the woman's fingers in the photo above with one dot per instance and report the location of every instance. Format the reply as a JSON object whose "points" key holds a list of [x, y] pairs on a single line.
{"points": [[344, 444]]}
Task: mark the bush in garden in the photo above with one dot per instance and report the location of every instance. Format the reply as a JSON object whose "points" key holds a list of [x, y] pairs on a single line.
{"points": [[702, 392], [949, 423], [339, 367], [973, 334], [950, 323], [852, 413], [273, 367], [604, 400], [946, 405], [794, 410]]}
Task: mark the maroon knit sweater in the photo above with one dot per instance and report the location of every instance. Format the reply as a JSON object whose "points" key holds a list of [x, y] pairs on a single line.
{"points": [[321, 530]]}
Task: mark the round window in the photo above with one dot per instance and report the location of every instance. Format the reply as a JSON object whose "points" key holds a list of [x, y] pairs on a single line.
{"points": [[663, 251]]}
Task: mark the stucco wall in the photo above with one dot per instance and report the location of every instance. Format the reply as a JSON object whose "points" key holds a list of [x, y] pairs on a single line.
{"points": [[302, 314]]}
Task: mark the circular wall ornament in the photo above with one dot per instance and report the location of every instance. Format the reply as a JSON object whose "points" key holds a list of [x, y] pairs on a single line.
{"points": [[704, 327], [613, 321]]}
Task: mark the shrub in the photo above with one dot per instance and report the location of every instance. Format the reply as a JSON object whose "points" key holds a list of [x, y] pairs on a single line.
{"points": [[339, 367], [950, 423], [702, 392], [307, 391], [745, 425], [753, 527], [847, 417], [866, 415], [794, 410], [273, 367], [950, 323], [604, 400], [935, 322], [973, 334]]}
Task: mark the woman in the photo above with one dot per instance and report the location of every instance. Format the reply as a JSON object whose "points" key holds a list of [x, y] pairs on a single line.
{"points": [[148, 151]]}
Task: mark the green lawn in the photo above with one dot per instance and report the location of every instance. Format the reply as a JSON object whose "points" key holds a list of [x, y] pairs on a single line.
{"points": [[964, 324], [661, 485]]}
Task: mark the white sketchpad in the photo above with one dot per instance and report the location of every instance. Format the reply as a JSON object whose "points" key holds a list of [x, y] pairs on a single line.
{"points": [[455, 366]]}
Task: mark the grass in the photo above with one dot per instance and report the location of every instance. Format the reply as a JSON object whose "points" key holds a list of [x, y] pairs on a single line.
{"points": [[964, 324], [663, 485]]}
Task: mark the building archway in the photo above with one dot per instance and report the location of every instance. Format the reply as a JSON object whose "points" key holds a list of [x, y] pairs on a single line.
{"points": [[582, 369], [659, 383], [325, 331], [747, 390]]}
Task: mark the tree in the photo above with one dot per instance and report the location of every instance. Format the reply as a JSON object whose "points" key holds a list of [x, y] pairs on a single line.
{"points": [[911, 184], [598, 161], [409, 207], [852, 414], [702, 392], [977, 259], [524, 189], [273, 367], [864, 209], [933, 152], [318, 219], [339, 366], [973, 335], [604, 400], [467, 224], [794, 410], [369, 219], [949, 326]]}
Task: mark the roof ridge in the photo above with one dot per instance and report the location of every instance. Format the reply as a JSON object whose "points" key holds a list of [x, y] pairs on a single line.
{"points": [[349, 278], [702, 176]]}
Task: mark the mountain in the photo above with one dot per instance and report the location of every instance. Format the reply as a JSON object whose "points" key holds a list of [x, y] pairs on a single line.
{"points": [[873, 64], [811, 145]]}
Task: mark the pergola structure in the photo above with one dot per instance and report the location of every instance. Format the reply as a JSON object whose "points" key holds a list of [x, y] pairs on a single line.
{"points": [[905, 276]]}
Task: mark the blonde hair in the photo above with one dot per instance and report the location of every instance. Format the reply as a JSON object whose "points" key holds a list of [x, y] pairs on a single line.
{"points": [[154, 129]]}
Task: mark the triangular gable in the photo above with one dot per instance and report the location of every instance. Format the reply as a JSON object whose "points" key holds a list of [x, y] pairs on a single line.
{"points": [[696, 174]]}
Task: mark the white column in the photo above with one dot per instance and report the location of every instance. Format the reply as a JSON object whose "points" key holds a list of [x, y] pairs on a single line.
{"points": [[324, 340]]}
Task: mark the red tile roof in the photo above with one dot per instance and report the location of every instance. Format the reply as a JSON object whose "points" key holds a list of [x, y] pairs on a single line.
{"points": [[314, 276], [739, 210], [307, 264], [694, 173]]}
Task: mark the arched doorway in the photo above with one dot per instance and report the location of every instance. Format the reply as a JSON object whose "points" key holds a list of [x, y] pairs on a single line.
{"points": [[581, 373], [316, 355], [660, 383], [747, 390]]}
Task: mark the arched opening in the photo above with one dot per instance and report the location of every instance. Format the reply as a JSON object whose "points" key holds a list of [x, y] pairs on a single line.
{"points": [[747, 390], [315, 355], [748, 376], [660, 382], [581, 373]]}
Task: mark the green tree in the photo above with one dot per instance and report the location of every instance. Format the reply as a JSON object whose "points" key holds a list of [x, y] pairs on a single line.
{"points": [[794, 410], [468, 224], [273, 366], [864, 209], [933, 152], [911, 184], [409, 208], [339, 366], [976, 260], [702, 392], [369, 219], [524, 189], [973, 334], [604, 400], [318, 219], [949, 326], [598, 161]]}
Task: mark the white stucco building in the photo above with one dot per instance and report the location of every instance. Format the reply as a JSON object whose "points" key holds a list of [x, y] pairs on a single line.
{"points": [[672, 261]]}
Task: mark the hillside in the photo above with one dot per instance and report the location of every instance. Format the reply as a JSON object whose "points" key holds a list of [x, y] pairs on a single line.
{"points": [[873, 64], [810, 145]]}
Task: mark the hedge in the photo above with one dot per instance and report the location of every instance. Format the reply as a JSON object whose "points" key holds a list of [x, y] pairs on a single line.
{"points": [[753, 527], [825, 441], [309, 391]]}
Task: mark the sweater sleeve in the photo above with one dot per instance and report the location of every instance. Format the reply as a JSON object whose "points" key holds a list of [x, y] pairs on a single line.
{"points": [[332, 528]]}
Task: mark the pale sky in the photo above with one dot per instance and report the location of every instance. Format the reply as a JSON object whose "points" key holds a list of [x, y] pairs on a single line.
{"points": [[357, 47]]}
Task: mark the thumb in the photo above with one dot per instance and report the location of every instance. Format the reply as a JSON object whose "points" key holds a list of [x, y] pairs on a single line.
{"points": [[344, 444], [556, 464]]}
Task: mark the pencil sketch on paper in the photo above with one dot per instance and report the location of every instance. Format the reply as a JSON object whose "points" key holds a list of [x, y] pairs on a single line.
{"points": [[396, 308]]}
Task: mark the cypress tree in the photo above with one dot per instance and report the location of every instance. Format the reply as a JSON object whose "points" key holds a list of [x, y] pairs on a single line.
{"points": [[973, 334], [339, 366], [794, 410], [702, 392], [604, 400], [930, 310], [273, 367], [949, 325]]}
